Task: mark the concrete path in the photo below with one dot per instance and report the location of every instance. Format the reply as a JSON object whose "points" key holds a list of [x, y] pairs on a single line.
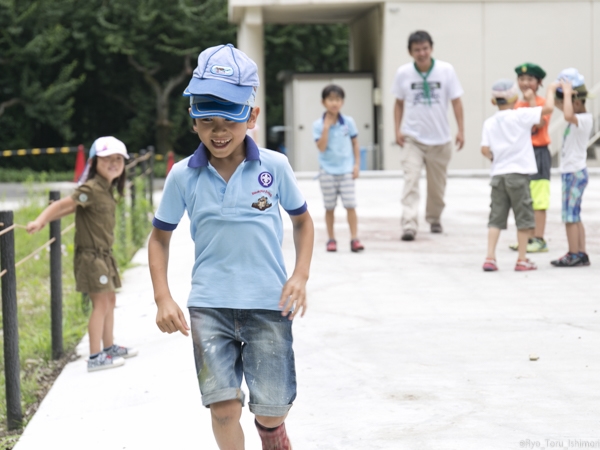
{"points": [[405, 346]]}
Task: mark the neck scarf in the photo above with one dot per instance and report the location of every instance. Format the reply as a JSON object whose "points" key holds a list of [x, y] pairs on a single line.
{"points": [[426, 90]]}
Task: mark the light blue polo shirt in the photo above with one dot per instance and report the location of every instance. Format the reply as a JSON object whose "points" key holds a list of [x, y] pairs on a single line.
{"points": [[236, 226], [338, 158]]}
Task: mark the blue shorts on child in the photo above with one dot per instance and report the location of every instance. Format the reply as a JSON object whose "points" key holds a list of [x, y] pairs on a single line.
{"points": [[573, 185]]}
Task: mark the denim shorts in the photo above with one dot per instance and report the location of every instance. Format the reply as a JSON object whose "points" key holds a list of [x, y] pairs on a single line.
{"points": [[253, 343], [573, 185]]}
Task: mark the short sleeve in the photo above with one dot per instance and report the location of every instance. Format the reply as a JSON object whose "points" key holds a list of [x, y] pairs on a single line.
{"points": [[485, 135], [172, 205], [397, 86], [530, 116], [290, 196], [455, 89], [585, 121], [317, 129], [351, 127], [83, 195]]}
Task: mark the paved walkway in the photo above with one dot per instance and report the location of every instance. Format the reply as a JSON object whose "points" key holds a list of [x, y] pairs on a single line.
{"points": [[406, 346]]}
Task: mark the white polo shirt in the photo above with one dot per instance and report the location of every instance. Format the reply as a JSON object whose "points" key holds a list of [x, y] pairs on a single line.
{"points": [[236, 226], [424, 120]]}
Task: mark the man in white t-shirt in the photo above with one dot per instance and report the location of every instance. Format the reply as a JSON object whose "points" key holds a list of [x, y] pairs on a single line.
{"points": [[506, 141], [423, 90]]}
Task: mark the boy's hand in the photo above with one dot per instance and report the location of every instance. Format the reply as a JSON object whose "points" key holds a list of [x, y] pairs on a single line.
{"points": [[567, 87], [460, 140], [35, 226], [554, 85], [355, 171], [293, 296], [330, 120], [529, 95], [170, 318]]}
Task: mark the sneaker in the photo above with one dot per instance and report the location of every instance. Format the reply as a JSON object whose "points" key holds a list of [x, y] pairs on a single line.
{"points": [[569, 260], [356, 246], [523, 266], [117, 351], [585, 259], [490, 265], [436, 228], [331, 245], [104, 361], [537, 245], [408, 235]]}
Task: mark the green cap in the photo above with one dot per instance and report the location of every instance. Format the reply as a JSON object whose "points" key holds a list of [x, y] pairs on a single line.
{"points": [[531, 69]]}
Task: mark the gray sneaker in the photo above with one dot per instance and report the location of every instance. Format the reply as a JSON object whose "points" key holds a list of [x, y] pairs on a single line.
{"points": [[117, 351], [104, 361], [408, 235]]}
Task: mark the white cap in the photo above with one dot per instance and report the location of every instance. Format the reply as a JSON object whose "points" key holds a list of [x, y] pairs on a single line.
{"points": [[106, 146]]}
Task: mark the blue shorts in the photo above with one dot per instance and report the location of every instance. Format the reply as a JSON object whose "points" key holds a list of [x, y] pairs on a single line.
{"points": [[573, 185], [255, 343]]}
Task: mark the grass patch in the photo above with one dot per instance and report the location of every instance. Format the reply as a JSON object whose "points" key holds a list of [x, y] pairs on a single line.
{"points": [[38, 370]]}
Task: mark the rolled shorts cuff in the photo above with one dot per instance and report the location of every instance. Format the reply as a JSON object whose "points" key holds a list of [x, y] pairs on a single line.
{"points": [[269, 410], [223, 395]]}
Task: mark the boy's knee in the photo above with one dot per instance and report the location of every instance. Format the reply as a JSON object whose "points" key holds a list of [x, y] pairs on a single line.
{"points": [[226, 412], [270, 422]]}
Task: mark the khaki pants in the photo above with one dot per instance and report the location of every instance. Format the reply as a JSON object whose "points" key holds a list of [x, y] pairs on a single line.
{"points": [[435, 158]]}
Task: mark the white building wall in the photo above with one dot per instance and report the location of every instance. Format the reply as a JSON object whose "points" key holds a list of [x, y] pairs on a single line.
{"points": [[483, 39]]}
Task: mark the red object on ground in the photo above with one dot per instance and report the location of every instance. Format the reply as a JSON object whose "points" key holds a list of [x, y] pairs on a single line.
{"points": [[79, 163], [170, 162]]}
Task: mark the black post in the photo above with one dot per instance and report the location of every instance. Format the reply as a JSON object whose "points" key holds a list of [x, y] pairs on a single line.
{"points": [[144, 175], [56, 284], [12, 367], [151, 187], [132, 214]]}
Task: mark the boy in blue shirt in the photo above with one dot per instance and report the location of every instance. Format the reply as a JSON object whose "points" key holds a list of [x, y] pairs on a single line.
{"points": [[241, 304], [337, 141]]}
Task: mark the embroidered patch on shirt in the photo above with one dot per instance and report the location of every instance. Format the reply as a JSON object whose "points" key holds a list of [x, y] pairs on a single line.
{"points": [[265, 179], [83, 198], [262, 203], [103, 279]]}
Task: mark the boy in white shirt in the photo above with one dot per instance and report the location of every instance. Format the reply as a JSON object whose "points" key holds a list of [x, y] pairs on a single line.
{"points": [[506, 141], [570, 99]]}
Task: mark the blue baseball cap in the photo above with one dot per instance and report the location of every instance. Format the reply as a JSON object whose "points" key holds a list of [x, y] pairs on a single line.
{"points": [[226, 73], [209, 106]]}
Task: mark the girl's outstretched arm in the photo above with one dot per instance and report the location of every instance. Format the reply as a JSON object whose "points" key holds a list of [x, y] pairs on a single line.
{"points": [[54, 211]]}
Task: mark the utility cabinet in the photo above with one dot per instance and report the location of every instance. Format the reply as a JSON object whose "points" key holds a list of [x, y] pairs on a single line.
{"points": [[303, 105]]}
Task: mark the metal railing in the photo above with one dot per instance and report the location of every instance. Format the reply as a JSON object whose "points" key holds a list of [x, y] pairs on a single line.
{"points": [[141, 166]]}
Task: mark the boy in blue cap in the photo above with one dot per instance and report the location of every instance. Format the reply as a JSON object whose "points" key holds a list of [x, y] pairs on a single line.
{"points": [[241, 303], [570, 99]]}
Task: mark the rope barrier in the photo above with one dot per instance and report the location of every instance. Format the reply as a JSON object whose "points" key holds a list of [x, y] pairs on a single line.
{"points": [[36, 251]]}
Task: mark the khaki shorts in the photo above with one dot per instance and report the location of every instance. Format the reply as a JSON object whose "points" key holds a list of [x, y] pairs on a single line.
{"points": [[511, 191], [95, 271]]}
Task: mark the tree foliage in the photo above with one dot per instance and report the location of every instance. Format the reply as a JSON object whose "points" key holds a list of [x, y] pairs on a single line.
{"points": [[73, 70]]}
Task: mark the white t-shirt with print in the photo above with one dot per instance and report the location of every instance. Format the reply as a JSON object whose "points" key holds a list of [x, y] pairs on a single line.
{"points": [[508, 135], [575, 140], [425, 122]]}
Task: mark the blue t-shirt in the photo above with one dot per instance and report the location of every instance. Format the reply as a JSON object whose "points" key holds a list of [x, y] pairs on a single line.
{"points": [[338, 157], [236, 226]]}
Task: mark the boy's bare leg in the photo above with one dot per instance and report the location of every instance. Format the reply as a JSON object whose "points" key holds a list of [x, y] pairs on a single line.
{"points": [[493, 236], [573, 237], [540, 223], [329, 220], [226, 424], [581, 237], [352, 222], [522, 238], [100, 307]]}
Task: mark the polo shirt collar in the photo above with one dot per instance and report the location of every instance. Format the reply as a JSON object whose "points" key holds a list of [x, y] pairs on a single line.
{"points": [[200, 156], [340, 118], [103, 182]]}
